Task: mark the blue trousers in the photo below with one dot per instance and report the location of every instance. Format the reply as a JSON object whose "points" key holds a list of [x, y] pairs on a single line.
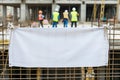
{"points": [[54, 24], [65, 22]]}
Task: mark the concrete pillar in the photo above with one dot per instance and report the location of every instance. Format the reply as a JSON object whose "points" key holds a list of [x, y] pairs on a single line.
{"points": [[79, 13], [19, 14], [83, 12], [15, 14], [27, 13], [118, 11], [30, 10], [23, 12], [53, 7], [3, 13]]}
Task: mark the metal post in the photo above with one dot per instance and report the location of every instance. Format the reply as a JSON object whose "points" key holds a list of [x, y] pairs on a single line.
{"points": [[38, 74]]}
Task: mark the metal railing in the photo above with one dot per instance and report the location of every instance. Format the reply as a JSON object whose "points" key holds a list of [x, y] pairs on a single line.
{"points": [[110, 72]]}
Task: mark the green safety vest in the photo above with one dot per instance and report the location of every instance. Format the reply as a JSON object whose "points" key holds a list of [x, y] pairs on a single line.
{"points": [[55, 16], [74, 16]]}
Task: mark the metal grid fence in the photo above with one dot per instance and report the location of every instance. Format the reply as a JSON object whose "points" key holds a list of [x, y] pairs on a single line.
{"points": [[110, 72]]}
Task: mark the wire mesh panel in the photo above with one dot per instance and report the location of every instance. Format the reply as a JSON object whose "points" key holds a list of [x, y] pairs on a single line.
{"points": [[110, 72]]}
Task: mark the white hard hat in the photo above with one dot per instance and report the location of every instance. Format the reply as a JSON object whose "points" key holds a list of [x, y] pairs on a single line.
{"points": [[56, 9], [73, 8], [66, 10]]}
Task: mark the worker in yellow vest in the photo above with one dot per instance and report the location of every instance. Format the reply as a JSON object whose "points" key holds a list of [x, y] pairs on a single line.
{"points": [[55, 18], [65, 18], [74, 17]]}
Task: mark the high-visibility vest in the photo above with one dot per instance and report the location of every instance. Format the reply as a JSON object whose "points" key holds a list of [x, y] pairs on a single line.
{"points": [[40, 17], [74, 16], [65, 15], [55, 16]]}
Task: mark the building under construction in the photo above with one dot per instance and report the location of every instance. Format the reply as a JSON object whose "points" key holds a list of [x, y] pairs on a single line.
{"points": [[89, 10], [26, 10]]}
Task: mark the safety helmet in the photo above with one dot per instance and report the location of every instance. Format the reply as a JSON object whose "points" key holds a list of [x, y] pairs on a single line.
{"points": [[66, 10], [73, 8], [56, 10]]}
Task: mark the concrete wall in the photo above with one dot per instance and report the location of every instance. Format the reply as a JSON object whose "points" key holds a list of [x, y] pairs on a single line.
{"points": [[118, 14], [57, 1]]}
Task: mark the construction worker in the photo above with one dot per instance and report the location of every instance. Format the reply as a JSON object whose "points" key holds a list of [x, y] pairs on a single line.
{"points": [[74, 16], [41, 17], [65, 18], [55, 18]]}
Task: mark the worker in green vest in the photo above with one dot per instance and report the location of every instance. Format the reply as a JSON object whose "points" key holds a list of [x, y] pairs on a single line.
{"points": [[74, 17], [55, 18]]}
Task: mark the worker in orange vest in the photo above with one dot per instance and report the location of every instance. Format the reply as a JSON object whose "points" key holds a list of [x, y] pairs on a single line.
{"points": [[41, 17]]}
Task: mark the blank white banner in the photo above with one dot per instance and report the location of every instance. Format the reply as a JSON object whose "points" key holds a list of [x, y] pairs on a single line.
{"points": [[58, 47]]}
